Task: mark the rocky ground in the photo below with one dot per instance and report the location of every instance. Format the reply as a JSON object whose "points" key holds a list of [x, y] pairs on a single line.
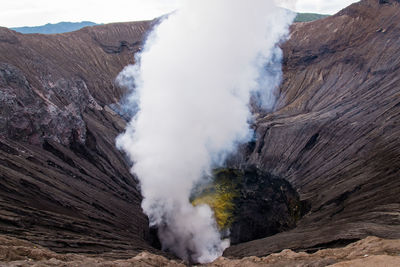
{"points": [[371, 251]]}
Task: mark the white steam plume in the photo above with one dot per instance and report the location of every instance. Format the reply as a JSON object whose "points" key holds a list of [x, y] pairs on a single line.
{"points": [[193, 82]]}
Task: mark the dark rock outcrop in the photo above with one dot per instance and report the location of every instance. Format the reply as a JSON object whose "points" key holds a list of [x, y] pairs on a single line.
{"points": [[265, 205], [335, 134], [250, 203]]}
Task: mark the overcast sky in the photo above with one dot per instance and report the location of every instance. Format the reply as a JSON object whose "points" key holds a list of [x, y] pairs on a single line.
{"points": [[16, 13]]}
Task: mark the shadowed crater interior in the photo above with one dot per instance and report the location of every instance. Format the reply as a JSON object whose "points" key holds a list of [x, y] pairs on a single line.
{"points": [[250, 204]]}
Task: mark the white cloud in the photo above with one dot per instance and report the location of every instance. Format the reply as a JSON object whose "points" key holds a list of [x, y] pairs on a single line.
{"points": [[322, 6], [31, 13], [39, 12]]}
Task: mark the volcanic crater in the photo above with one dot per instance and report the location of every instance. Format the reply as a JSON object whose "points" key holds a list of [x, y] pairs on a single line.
{"points": [[323, 171]]}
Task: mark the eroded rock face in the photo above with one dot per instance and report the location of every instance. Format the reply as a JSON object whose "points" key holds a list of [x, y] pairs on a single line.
{"points": [[63, 184], [335, 133], [33, 116]]}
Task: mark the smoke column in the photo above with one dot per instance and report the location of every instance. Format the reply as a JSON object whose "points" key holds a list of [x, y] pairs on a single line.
{"points": [[193, 82]]}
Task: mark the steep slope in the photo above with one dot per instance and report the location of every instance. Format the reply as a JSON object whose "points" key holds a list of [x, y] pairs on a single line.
{"points": [[335, 134], [63, 184]]}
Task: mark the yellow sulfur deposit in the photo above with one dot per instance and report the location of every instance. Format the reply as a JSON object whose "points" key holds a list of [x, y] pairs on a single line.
{"points": [[219, 196]]}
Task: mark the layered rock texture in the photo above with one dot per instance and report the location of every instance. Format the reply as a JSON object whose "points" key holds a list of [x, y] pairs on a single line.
{"points": [[63, 184], [334, 136]]}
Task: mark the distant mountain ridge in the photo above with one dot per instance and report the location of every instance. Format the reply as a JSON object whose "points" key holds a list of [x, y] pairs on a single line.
{"points": [[306, 17], [60, 27], [63, 27]]}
